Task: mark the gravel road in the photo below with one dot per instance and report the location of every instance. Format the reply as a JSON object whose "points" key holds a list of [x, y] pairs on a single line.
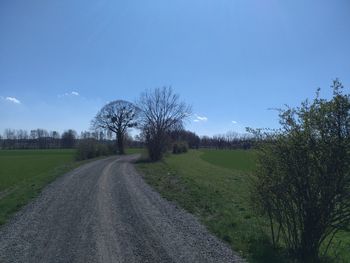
{"points": [[103, 211]]}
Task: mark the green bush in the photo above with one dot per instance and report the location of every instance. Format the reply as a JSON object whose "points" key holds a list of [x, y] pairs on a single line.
{"points": [[180, 147], [303, 181], [90, 148]]}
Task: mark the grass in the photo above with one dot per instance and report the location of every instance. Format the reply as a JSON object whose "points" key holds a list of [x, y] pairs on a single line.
{"points": [[217, 195], [214, 185], [135, 150], [340, 250], [240, 160], [24, 173]]}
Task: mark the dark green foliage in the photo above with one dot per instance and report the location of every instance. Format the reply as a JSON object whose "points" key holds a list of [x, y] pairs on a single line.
{"points": [[91, 148], [189, 137], [303, 176], [180, 147]]}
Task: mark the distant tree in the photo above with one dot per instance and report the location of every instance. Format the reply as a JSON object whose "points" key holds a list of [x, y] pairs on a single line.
{"points": [[85, 135], [189, 137], [22, 134], [117, 116], [54, 135], [101, 135], [41, 133], [161, 112], [42, 138], [54, 139], [94, 135], [33, 134], [205, 141], [68, 139], [232, 139], [303, 176], [10, 134]]}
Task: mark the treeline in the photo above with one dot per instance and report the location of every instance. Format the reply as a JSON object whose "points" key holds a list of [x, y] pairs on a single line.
{"points": [[43, 139], [230, 141]]}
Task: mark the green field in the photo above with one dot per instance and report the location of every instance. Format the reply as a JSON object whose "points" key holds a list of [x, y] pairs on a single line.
{"points": [[23, 173], [214, 185], [240, 160], [135, 150], [217, 195]]}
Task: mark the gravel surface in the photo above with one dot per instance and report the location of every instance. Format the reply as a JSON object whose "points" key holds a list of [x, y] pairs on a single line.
{"points": [[104, 212]]}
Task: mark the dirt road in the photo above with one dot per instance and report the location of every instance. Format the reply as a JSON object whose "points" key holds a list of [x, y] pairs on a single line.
{"points": [[105, 212]]}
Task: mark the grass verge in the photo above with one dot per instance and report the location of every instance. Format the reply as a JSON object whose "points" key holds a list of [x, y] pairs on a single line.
{"points": [[214, 185], [218, 196]]}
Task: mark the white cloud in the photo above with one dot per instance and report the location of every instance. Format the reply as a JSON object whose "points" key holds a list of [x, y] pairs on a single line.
{"points": [[69, 94], [13, 100], [200, 118], [234, 122]]}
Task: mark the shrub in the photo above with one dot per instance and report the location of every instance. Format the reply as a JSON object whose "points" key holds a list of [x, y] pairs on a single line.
{"points": [[303, 178], [180, 147], [90, 148]]}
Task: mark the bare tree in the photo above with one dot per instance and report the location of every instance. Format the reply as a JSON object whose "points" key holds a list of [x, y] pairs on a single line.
{"points": [[33, 134], [10, 134], [54, 135], [22, 134], [117, 116], [161, 112]]}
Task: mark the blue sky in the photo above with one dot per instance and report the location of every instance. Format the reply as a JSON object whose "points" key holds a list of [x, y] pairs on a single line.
{"points": [[60, 61]]}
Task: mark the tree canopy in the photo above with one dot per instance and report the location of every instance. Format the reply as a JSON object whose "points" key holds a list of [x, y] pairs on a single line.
{"points": [[117, 116], [161, 112]]}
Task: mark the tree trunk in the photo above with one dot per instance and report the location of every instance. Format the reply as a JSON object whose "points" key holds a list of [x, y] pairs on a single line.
{"points": [[309, 246], [120, 144]]}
